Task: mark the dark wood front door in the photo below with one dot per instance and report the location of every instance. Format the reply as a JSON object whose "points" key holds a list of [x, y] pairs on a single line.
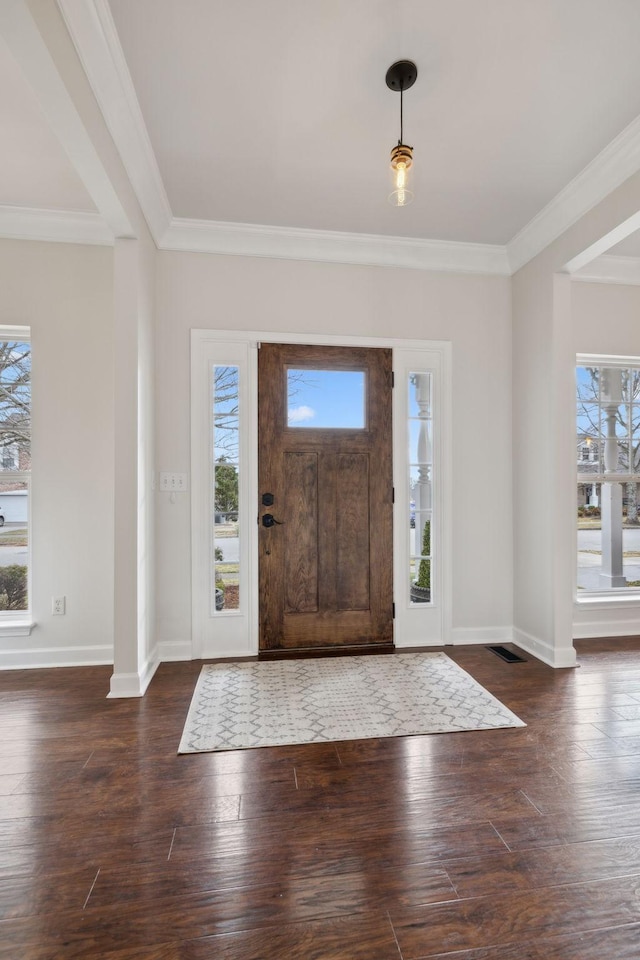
{"points": [[325, 495]]}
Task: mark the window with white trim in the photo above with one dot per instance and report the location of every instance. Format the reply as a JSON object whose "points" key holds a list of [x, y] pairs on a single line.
{"points": [[608, 475], [15, 470]]}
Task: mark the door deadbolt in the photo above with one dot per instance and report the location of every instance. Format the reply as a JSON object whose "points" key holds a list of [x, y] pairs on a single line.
{"points": [[267, 499]]}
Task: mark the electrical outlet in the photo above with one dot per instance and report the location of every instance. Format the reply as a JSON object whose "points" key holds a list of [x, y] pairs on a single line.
{"points": [[58, 606], [173, 482]]}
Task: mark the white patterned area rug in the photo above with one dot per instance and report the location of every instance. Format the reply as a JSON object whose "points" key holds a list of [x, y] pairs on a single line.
{"points": [[270, 703]]}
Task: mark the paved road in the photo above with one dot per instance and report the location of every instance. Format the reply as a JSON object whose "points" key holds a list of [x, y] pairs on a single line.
{"points": [[230, 547], [11, 555], [591, 539], [589, 563]]}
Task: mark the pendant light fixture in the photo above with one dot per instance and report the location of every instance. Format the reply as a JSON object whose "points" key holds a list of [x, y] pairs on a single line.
{"points": [[400, 76]]}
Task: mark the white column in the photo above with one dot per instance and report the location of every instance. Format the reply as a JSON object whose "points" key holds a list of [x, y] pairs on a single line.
{"points": [[134, 662], [611, 494], [612, 574]]}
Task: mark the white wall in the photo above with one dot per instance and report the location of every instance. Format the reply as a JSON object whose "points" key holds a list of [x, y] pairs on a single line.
{"points": [[202, 291], [605, 319], [544, 424], [533, 421], [64, 293]]}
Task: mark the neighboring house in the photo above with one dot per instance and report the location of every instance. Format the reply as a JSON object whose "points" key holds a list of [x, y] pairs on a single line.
{"points": [[588, 460]]}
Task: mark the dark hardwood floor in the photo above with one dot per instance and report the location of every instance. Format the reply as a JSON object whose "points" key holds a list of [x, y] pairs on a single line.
{"points": [[519, 844]]}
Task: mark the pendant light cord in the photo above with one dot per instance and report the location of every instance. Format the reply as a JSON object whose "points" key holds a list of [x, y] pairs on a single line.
{"points": [[401, 92]]}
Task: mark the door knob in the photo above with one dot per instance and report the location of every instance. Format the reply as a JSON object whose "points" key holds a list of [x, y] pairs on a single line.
{"points": [[268, 520]]}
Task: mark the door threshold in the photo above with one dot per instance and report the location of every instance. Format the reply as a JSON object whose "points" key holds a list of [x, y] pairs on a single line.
{"points": [[305, 652]]}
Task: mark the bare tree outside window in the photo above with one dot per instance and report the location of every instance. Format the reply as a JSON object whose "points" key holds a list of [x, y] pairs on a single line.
{"points": [[15, 399], [15, 467], [592, 429]]}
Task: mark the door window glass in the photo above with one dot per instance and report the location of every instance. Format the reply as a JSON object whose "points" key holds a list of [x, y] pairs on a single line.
{"points": [[326, 399]]}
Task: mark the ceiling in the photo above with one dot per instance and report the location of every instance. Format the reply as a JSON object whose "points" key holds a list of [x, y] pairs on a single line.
{"points": [[277, 114], [34, 169]]}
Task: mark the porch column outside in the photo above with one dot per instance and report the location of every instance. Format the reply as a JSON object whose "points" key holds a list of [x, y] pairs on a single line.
{"points": [[612, 574]]}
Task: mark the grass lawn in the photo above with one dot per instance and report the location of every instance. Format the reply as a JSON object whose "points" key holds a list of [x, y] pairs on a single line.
{"points": [[13, 538]]}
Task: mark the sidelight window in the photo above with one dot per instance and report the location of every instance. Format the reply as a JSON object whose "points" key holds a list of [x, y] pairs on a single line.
{"points": [[225, 561], [420, 469]]}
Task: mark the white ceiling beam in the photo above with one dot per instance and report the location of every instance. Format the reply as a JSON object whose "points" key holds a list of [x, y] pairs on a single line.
{"points": [[91, 27], [605, 243], [613, 165], [29, 49], [611, 269]]}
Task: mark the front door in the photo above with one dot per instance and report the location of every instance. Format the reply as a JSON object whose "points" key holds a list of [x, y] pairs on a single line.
{"points": [[326, 495]]}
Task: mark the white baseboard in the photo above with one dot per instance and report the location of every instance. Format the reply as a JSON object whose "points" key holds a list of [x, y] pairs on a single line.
{"points": [[463, 635], [227, 654], [134, 684], [174, 650], [27, 658], [615, 617], [566, 657], [170, 650], [411, 644], [591, 629]]}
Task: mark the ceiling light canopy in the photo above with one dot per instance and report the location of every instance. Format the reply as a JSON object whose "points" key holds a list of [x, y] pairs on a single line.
{"points": [[401, 75]]}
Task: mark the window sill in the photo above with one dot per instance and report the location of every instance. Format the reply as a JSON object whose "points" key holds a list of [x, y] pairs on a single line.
{"points": [[16, 628], [618, 600]]}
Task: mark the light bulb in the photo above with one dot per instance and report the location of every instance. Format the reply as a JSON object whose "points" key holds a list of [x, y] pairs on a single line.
{"points": [[401, 179], [401, 161]]}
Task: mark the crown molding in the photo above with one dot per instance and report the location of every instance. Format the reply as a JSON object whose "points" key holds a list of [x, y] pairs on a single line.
{"points": [[255, 240], [93, 32], [610, 269], [61, 226], [619, 160]]}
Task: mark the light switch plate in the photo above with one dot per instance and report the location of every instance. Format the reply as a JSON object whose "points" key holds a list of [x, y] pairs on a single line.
{"points": [[173, 482]]}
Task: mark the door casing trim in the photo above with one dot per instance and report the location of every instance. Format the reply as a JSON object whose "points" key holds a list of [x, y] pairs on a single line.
{"points": [[227, 646]]}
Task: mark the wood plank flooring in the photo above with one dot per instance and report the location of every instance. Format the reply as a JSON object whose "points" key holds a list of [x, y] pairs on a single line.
{"points": [[518, 844]]}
